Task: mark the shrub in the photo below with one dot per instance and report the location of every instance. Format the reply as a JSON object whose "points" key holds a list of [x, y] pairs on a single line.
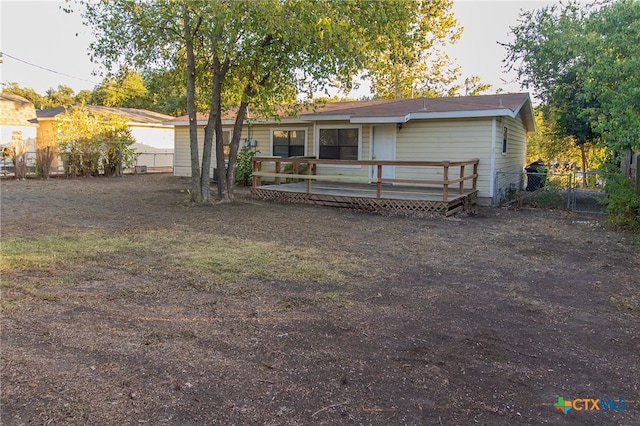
{"points": [[44, 160], [17, 150], [244, 167], [623, 204]]}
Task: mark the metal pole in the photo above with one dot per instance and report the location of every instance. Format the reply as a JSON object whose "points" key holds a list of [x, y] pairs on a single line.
{"points": [[569, 193], [120, 165]]}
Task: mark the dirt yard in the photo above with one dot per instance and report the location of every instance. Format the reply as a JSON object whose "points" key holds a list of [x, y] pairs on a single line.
{"points": [[122, 304]]}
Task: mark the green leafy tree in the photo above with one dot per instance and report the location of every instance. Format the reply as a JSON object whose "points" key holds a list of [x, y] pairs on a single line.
{"points": [[473, 86], [26, 92], [611, 42], [547, 50], [83, 97], [242, 53], [126, 90], [93, 142], [62, 96], [583, 60], [168, 91], [409, 60]]}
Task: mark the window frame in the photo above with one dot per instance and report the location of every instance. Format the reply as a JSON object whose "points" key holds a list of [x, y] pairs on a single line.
{"points": [[289, 129], [339, 126]]}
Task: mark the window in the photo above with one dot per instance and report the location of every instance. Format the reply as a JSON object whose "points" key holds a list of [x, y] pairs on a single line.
{"points": [[288, 143], [504, 142], [226, 140], [339, 144]]}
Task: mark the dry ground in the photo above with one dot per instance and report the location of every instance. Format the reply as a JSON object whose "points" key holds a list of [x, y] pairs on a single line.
{"points": [[122, 304]]}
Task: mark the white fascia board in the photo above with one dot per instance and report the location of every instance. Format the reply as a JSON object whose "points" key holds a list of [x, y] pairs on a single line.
{"points": [[320, 117], [463, 114], [162, 125], [179, 123], [285, 120], [378, 120], [231, 122]]}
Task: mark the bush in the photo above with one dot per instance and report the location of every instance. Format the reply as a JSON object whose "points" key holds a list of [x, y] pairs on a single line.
{"points": [[44, 160], [244, 167], [623, 204]]}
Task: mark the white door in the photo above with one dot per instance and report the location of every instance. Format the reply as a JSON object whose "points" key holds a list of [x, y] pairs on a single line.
{"points": [[383, 148]]}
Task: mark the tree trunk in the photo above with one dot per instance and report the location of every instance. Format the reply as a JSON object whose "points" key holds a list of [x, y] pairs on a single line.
{"points": [[196, 189], [234, 148], [585, 165]]}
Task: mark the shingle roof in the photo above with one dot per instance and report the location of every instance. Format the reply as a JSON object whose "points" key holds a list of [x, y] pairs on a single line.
{"points": [[131, 114], [403, 110], [16, 111], [14, 98]]}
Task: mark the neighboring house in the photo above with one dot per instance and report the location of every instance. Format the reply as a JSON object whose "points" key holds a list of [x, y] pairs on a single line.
{"points": [[154, 139], [18, 121], [492, 128]]}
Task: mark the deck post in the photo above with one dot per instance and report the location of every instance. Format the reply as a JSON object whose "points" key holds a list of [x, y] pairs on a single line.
{"points": [[257, 166], [445, 181], [462, 177], [296, 163], [277, 180], [379, 183], [310, 168]]}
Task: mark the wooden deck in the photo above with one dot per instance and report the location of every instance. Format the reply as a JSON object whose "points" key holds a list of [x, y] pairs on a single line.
{"points": [[420, 197], [417, 201]]}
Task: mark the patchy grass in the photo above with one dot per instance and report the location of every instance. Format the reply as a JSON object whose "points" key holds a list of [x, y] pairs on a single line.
{"points": [[229, 260], [132, 306]]}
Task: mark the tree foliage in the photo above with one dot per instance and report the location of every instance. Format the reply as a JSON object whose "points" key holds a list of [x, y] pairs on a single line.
{"points": [[93, 142], [473, 86], [241, 53], [582, 61], [62, 96], [409, 60], [127, 90]]}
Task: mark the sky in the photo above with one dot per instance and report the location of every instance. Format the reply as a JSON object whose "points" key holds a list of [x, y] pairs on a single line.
{"points": [[55, 44]]}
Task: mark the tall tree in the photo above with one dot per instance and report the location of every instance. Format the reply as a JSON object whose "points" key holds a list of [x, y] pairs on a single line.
{"points": [[62, 96], [473, 86], [548, 55], [241, 53], [127, 90], [612, 46], [583, 60], [28, 93], [410, 61]]}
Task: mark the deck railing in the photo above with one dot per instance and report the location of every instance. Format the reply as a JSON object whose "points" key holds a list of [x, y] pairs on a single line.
{"points": [[311, 172]]}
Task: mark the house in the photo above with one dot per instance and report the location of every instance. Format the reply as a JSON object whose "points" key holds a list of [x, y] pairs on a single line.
{"points": [[18, 121], [154, 139], [491, 128]]}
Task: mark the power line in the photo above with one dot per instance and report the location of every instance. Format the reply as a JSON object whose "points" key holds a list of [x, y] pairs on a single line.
{"points": [[46, 69]]}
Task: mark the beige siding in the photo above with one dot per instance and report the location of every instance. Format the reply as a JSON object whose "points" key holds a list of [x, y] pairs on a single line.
{"points": [[446, 140], [514, 159], [259, 132]]}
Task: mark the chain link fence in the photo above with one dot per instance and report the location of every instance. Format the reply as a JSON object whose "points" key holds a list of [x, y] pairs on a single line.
{"points": [[576, 191], [145, 162]]}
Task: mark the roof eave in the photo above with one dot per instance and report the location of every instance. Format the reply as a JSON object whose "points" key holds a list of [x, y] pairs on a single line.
{"points": [[325, 117], [462, 114], [381, 120]]}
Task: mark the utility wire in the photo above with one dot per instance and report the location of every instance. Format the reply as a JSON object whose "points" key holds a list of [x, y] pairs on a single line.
{"points": [[112, 89], [46, 69]]}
